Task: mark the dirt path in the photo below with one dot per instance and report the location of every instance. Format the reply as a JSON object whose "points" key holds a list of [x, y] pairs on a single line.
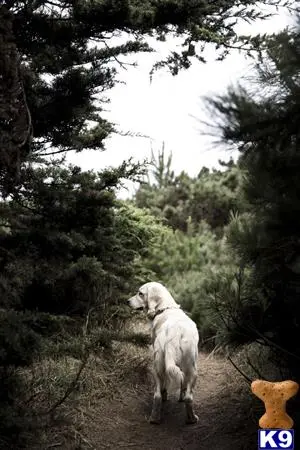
{"points": [[122, 423]]}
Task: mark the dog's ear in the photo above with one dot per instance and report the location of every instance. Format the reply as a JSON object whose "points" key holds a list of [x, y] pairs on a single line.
{"points": [[153, 300]]}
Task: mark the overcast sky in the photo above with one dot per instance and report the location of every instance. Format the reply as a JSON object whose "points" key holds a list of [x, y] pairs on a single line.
{"points": [[167, 109]]}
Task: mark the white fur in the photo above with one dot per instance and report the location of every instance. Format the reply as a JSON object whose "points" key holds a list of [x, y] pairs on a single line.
{"points": [[175, 346]]}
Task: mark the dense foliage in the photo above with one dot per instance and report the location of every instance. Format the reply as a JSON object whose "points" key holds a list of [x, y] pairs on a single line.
{"points": [[266, 239], [67, 243], [182, 200], [191, 256]]}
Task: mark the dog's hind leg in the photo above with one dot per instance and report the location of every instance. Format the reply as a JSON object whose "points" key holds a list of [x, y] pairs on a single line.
{"points": [[182, 391], [157, 401], [164, 394], [188, 398]]}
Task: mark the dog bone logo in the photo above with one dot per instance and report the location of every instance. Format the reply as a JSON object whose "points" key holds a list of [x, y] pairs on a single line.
{"points": [[275, 395]]}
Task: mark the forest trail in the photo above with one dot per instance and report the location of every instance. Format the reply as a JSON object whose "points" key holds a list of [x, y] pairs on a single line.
{"points": [[224, 423]]}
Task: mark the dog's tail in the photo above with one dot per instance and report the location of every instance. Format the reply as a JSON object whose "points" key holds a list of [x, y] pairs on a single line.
{"points": [[173, 372]]}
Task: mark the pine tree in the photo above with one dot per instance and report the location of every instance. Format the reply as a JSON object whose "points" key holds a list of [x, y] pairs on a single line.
{"points": [[161, 168], [57, 55], [263, 122], [67, 244]]}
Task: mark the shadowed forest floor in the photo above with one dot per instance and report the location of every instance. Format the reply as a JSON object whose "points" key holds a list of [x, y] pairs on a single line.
{"points": [[111, 407], [122, 422]]}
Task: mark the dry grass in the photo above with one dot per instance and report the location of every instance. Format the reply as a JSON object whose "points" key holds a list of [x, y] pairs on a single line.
{"points": [[109, 405], [106, 375]]}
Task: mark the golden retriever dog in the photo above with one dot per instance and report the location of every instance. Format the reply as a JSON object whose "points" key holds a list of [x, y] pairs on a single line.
{"points": [[175, 347]]}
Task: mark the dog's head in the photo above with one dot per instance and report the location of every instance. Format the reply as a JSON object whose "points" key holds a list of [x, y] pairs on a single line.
{"points": [[152, 297]]}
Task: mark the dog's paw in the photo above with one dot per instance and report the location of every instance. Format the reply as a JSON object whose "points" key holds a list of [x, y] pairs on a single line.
{"points": [[192, 420], [155, 420]]}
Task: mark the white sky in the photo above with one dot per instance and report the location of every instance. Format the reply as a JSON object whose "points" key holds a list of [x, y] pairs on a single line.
{"points": [[167, 109]]}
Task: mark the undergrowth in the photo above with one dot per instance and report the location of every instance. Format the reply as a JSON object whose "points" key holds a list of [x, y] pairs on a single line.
{"points": [[70, 365]]}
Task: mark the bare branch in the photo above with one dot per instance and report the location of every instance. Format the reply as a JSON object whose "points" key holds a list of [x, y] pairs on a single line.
{"points": [[239, 370]]}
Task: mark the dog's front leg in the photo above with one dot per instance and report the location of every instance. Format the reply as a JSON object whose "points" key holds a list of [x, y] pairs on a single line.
{"points": [[157, 402]]}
